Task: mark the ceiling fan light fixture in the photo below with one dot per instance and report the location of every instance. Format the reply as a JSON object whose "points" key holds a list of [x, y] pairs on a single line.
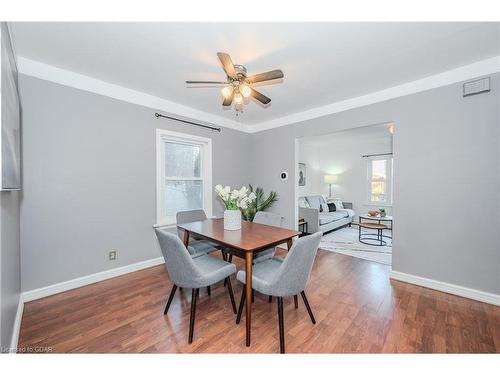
{"points": [[237, 86], [245, 90], [227, 91], [238, 98]]}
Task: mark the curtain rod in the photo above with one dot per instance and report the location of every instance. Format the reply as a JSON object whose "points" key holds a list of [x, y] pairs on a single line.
{"points": [[158, 115], [370, 155]]}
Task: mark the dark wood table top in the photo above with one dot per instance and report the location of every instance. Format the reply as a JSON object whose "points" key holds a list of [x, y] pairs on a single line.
{"points": [[251, 237]]}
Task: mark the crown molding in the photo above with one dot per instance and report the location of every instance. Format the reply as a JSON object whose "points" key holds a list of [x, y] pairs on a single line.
{"points": [[83, 82], [68, 78], [463, 73]]}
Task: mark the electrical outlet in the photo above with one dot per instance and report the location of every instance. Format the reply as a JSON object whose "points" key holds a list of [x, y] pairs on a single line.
{"points": [[112, 255]]}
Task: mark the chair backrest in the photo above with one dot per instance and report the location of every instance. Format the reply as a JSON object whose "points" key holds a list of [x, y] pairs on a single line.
{"points": [[294, 273], [180, 265], [184, 217], [267, 218]]}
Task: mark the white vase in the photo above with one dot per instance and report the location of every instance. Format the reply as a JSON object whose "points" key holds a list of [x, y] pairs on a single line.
{"points": [[232, 220]]}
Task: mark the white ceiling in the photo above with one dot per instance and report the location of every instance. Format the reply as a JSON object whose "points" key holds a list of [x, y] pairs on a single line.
{"points": [[323, 63]]}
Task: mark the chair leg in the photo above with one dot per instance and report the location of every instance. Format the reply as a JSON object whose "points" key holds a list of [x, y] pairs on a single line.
{"points": [[224, 255], [242, 303], [303, 294], [231, 295], [194, 294], [281, 324], [270, 299], [296, 301], [170, 298], [227, 258], [209, 291]]}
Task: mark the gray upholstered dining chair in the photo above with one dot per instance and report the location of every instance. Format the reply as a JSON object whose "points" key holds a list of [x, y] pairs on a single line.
{"points": [[266, 218], [284, 277], [197, 246], [195, 273]]}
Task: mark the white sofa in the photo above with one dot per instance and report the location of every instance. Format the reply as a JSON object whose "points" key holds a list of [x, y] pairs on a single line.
{"points": [[320, 221]]}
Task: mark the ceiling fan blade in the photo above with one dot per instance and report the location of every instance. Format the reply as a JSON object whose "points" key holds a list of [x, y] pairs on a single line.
{"points": [[227, 101], [227, 64], [260, 97], [267, 76], [207, 82]]}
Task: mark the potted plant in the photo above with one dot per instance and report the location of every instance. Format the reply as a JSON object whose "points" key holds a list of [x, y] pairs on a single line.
{"points": [[234, 201], [259, 203], [381, 212]]}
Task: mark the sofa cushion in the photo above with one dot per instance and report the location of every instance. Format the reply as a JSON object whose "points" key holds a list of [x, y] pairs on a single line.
{"points": [[325, 218], [324, 208], [315, 201], [350, 213], [328, 217]]}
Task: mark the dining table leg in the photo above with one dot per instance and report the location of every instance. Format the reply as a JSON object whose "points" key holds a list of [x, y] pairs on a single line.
{"points": [[248, 292]]}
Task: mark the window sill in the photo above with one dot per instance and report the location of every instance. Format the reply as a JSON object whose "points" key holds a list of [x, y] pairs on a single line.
{"points": [[378, 205], [174, 225], [165, 226]]}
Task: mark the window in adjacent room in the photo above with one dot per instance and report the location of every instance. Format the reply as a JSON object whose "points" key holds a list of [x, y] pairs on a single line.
{"points": [[184, 175], [379, 182]]}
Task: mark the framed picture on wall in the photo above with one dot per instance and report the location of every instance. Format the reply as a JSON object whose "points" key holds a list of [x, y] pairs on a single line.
{"points": [[302, 174]]}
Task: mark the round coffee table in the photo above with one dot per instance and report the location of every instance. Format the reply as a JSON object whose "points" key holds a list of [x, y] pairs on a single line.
{"points": [[364, 237], [379, 220]]}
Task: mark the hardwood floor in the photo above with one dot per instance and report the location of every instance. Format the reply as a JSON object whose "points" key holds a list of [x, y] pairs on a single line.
{"points": [[357, 309]]}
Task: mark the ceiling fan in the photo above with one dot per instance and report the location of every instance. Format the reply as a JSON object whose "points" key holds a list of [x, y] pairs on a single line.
{"points": [[237, 87]]}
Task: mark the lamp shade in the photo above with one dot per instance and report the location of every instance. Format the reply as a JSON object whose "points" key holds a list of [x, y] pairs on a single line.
{"points": [[330, 178]]}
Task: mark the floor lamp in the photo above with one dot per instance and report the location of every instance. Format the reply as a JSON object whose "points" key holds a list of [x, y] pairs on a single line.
{"points": [[330, 179]]}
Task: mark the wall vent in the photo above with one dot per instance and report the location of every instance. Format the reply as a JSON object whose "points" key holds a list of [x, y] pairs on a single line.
{"points": [[477, 86]]}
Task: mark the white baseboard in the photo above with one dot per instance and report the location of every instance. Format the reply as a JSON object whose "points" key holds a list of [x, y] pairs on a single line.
{"points": [[17, 325], [90, 279], [478, 295]]}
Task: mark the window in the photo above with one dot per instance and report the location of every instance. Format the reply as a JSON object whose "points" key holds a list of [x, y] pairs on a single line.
{"points": [[379, 182], [184, 175]]}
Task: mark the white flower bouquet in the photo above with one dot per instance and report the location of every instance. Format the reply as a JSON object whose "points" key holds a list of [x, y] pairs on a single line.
{"points": [[236, 199]]}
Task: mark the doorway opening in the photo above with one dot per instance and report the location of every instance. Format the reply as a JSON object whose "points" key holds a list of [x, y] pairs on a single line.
{"points": [[344, 189]]}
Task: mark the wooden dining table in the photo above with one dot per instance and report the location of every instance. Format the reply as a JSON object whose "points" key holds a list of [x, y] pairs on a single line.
{"points": [[249, 240]]}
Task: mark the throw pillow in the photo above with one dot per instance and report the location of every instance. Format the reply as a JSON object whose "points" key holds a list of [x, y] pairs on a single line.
{"points": [[338, 204], [331, 207], [324, 208]]}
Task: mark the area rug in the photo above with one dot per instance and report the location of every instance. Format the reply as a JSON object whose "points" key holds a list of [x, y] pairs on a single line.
{"points": [[345, 241]]}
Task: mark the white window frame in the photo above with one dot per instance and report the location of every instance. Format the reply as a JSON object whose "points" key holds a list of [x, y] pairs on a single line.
{"points": [[389, 163], [205, 144]]}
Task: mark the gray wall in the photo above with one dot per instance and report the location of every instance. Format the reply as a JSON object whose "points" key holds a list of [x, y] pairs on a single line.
{"points": [[10, 271], [89, 177], [10, 263], [90, 180], [446, 179]]}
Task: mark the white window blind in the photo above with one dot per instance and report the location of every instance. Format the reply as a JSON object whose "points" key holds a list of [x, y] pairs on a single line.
{"points": [[184, 169]]}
